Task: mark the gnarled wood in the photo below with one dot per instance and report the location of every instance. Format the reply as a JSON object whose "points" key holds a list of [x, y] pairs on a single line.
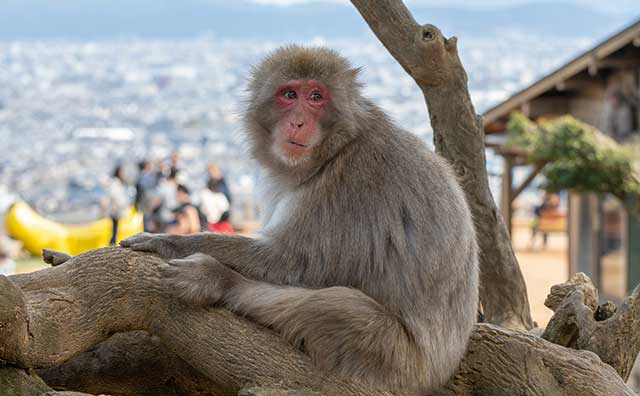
{"points": [[14, 381], [133, 363], [578, 322], [432, 61], [20, 382], [78, 304], [74, 306]]}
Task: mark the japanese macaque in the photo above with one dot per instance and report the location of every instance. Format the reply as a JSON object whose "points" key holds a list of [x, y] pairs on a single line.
{"points": [[368, 258]]}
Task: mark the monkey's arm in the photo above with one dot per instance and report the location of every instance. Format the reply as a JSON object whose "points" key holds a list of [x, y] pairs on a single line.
{"points": [[340, 328], [240, 253]]}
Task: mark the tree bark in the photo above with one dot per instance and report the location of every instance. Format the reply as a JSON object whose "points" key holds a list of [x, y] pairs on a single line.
{"points": [[580, 323], [15, 381], [432, 61], [133, 363], [53, 315], [20, 382], [56, 313]]}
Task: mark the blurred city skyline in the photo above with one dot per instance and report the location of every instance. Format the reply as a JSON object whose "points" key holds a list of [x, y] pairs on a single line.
{"points": [[84, 87]]}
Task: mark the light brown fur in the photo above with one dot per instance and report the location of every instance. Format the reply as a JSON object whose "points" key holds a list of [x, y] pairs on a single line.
{"points": [[370, 262]]}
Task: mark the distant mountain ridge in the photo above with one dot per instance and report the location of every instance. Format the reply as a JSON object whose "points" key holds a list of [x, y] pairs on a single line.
{"points": [[161, 19]]}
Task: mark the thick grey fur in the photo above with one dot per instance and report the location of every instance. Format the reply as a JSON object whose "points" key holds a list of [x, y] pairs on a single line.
{"points": [[369, 258]]}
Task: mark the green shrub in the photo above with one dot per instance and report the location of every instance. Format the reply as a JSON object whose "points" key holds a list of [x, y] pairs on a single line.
{"points": [[578, 156]]}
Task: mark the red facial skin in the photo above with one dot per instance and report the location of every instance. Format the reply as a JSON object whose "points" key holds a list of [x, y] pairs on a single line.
{"points": [[301, 104]]}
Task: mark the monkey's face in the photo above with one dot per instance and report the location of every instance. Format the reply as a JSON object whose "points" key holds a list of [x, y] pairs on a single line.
{"points": [[301, 109], [300, 106]]}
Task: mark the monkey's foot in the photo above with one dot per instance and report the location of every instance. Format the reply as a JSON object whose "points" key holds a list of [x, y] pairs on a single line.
{"points": [[199, 279]]}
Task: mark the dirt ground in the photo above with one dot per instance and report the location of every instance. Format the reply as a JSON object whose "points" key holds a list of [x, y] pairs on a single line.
{"points": [[541, 267]]}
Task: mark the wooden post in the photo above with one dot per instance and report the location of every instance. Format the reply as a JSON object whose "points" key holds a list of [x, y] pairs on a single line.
{"points": [[637, 92], [584, 241], [506, 207], [632, 245], [573, 230]]}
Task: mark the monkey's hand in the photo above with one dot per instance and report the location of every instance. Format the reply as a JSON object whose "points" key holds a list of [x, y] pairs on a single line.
{"points": [[166, 246], [199, 279]]}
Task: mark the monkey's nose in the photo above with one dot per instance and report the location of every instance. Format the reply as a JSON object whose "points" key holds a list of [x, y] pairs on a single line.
{"points": [[297, 124]]}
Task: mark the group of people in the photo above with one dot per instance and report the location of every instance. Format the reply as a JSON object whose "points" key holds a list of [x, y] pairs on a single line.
{"points": [[168, 205]]}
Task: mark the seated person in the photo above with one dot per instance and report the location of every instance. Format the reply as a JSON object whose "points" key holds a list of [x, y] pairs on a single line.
{"points": [[547, 216], [215, 206], [188, 219]]}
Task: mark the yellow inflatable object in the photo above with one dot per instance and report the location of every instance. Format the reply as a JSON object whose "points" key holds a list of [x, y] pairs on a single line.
{"points": [[37, 232]]}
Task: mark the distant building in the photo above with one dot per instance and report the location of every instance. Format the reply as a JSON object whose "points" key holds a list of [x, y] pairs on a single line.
{"points": [[600, 87], [104, 133]]}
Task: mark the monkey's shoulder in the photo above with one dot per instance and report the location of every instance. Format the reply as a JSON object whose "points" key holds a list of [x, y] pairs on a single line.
{"points": [[392, 161]]}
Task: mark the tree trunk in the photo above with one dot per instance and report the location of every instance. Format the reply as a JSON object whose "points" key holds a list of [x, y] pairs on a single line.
{"points": [[432, 61]]}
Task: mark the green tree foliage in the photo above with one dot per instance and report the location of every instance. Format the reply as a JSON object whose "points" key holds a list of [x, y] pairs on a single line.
{"points": [[578, 156]]}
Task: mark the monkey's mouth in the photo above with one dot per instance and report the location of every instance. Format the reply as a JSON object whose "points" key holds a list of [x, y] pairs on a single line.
{"points": [[293, 142]]}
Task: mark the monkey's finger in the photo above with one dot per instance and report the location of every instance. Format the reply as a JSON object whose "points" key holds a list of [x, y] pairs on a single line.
{"points": [[138, 238], [164, 267], [148, 246], [168, 271], [180, 262], [199, 257]]}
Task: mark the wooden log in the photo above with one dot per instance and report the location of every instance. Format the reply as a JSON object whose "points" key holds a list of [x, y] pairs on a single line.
{"points": [[65, 310]]}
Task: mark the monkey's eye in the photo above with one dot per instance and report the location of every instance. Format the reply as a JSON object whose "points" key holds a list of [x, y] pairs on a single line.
{"points": [[315, 96], [291, 94]]}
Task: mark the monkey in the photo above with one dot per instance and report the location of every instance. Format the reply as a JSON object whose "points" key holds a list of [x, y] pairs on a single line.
{"points": [[367, 259]]}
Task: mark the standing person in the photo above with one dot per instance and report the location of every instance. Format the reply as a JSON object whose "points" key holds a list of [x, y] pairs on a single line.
{"points": [[146, 184], [214, 204], [117, 201], [217, 177], [188, 216], [175, 164], [166, 201]]}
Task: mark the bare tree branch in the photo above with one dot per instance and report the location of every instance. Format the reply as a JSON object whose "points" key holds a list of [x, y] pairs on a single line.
{"points": [[432, 61]]}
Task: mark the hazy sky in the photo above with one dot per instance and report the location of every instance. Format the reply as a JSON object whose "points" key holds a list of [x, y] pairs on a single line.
{"points": [[611, 6], [101, 19]]}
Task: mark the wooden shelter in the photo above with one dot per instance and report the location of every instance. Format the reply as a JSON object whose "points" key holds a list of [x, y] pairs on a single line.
{"points": [[597, 225]]}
